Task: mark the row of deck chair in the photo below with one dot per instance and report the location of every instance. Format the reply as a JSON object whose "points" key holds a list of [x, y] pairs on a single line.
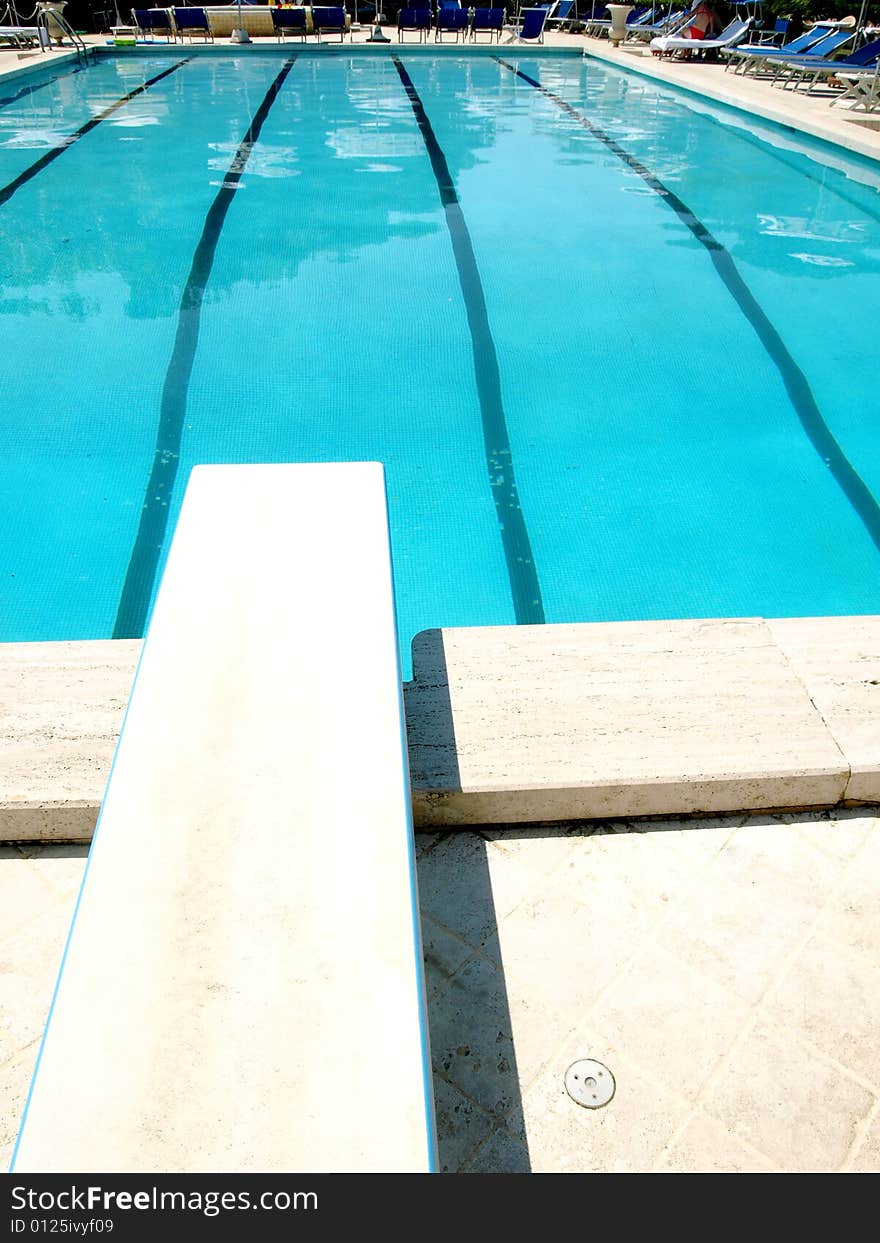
{"points": [[809, 71], [807, 60], [174, 24], [325, 20], [756, 59], [810, 61], [471, 23], [185, 23], [655, 23], [643, 22]]}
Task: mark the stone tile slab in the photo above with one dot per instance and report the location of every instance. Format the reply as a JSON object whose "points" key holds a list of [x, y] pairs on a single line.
{"points": [[838, 660], [789, 1103], [61, 709], [703, 1146], [510, 724]]}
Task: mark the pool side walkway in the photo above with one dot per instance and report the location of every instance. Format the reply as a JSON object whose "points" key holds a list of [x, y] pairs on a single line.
{"points": [[724, 970], [512, 724]]}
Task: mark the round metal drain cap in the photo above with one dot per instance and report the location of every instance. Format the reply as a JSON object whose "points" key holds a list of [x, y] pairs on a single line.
{"points": [[589, 1083]]}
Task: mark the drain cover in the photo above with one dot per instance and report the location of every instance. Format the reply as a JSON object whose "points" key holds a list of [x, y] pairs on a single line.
{"points": [[589, 1083]]}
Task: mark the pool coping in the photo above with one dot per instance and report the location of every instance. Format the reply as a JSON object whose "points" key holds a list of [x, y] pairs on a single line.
{"points": [[777, 714]]}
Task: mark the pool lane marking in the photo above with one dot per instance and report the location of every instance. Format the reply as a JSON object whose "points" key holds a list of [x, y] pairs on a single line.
{"points": [[134, 600], [796, 384], [8, 190], [525, 588]]}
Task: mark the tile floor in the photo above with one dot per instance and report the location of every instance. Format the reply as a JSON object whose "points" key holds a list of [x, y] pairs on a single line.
{"points": [[726, 971]]}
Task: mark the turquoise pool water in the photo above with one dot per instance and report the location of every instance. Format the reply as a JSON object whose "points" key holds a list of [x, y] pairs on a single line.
{"points": [[613, 346]]}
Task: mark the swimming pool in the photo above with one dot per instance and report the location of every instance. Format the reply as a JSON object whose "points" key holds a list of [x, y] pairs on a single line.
{"points": [[610, 343]]}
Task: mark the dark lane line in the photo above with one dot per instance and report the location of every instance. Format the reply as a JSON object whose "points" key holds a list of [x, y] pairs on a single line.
{"points": [[525, 588], [796, 384], [45, 160], [134, 600]]}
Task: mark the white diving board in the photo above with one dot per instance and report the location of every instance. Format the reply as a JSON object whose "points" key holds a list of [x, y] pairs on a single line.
{"points": [[242, 988]]}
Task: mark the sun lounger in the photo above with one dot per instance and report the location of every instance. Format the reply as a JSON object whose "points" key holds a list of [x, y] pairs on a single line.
{"points": [[22, 36], [732, 34], [191, 22], [754, 57], [562, 15], [655, 23], [809, 69], [862, 87], [451, 19], [487, 21], [330, 20], [823, 50], [417, 19], [289, 23], [152, 22], [531, 27]]}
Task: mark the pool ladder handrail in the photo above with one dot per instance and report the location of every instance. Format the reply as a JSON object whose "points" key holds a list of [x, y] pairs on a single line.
{"points": [[60, 21]]}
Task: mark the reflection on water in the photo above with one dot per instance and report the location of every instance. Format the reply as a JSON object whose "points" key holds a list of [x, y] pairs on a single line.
{"points": [[668, 481]]}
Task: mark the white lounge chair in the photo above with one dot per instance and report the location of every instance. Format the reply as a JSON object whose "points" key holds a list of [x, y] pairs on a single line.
{"points": [[860, 86], [732, 34], [22, 36]]}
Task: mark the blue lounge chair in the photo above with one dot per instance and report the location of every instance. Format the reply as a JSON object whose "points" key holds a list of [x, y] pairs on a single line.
{"points": [[775, 37], [654, 22], [418, 19], [808, 69], [562, 15], [487, 21], [451, 19], [290, 22], [531, 27], [191, 22], [152, 22], [734, 32], [823, 50], [329, 20], [753, 57]]}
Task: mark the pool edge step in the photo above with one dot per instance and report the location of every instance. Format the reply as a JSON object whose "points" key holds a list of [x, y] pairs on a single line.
{"points": [[63, 705]]}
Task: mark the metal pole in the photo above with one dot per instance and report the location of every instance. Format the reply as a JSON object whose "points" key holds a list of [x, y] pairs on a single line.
{"points": [[860, 23]]}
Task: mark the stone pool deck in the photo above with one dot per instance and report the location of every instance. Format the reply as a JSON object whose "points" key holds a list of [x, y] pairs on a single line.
{"points": [[725, 971], [525, 723]]}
